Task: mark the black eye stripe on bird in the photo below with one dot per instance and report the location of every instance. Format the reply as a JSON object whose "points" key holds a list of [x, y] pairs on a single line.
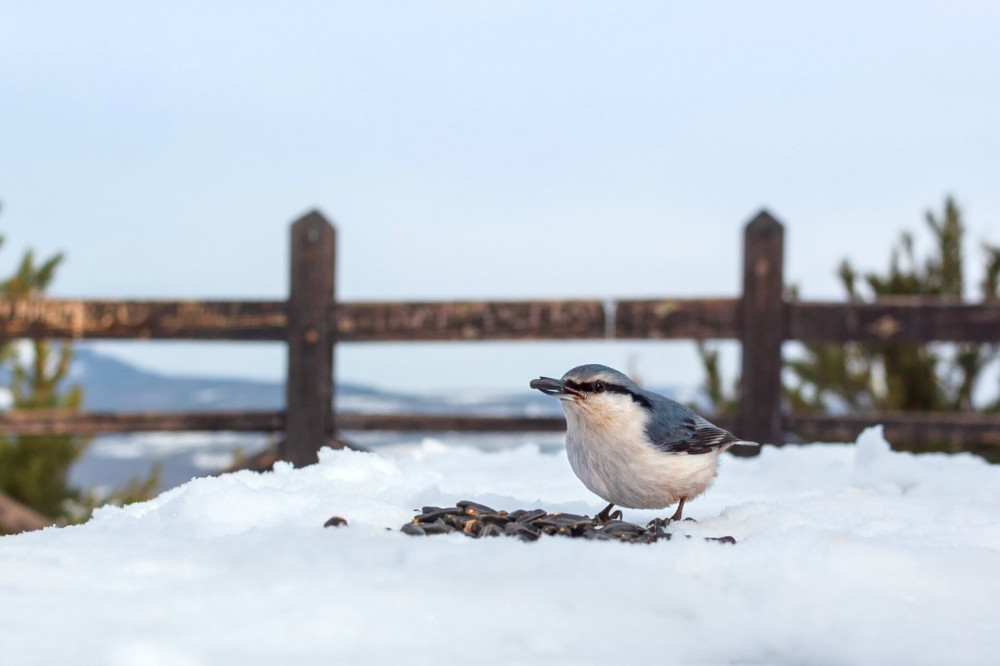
{"points": [[590, 387], [648, 456]]}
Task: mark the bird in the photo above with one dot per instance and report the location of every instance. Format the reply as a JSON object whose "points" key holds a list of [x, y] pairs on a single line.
{"points": [[635, 448]]}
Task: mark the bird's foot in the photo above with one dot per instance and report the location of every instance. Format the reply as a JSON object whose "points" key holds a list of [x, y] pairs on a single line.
{"points": [[657, 524], [603, 518], [607, 514]]}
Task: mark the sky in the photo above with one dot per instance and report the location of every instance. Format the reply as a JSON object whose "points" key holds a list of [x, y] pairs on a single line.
{"points": [[468, 151]]}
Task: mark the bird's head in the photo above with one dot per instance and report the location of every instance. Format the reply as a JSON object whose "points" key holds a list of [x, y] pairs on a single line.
{"points": [[594, 391]]}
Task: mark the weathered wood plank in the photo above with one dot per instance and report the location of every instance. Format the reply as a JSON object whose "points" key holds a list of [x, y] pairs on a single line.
{"points": [[309, 389], [893, 321], [697, 319], [61, 422], [267, 320], [900, 426], [903, 320], [469, 320], [194, 320], [763, 314], [957, 429]]}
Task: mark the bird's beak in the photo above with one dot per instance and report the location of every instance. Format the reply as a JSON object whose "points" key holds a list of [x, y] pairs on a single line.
{"points": [[550, 386]]}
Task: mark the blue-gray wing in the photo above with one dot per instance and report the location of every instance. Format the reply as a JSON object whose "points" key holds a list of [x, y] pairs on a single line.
{"points": [[676, 429]]}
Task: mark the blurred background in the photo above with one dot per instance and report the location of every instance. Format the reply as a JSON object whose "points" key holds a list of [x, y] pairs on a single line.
{"points": [[513, 150]]}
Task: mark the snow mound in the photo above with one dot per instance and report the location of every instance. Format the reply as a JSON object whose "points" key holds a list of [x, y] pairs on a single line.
{"points": [[847, 554]]}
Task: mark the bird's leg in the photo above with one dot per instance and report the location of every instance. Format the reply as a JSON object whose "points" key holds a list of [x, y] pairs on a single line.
{"points": [[607, 514], [680, 509], [659, 523]]}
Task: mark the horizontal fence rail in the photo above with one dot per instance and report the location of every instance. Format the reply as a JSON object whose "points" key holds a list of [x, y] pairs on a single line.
{"points": [[63, 422], [699, 319], [890, 321], [373, 322], [957, 429], [893, 321], [474, 320], [143, 320]]}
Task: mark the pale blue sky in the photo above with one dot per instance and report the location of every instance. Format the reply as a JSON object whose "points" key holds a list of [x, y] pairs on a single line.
{"points": [[465, 150]]}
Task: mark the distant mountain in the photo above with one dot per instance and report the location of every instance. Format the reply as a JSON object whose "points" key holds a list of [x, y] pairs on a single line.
{"points": [[112, 385]]}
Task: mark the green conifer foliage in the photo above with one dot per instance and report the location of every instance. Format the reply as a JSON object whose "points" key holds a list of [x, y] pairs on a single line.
{"points": [[917, 377], [33, 468]]}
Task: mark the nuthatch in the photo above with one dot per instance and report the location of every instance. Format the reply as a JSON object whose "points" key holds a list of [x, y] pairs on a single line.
{"points": [[635, 448]]}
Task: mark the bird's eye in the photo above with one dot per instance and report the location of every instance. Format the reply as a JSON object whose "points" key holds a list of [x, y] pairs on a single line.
{"points": [[599, 386]]}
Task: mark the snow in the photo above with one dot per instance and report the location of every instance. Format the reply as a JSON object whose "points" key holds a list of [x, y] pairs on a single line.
{"points": [[846, 554]]}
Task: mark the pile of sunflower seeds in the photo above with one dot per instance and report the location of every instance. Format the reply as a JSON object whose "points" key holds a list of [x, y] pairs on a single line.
{"points": [[477, 521]]}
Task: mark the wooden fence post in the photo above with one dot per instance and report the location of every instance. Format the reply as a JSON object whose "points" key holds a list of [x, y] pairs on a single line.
{"points": [[763, 322], [309, 389]]}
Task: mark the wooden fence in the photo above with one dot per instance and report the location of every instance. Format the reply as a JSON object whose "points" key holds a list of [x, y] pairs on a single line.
{"points": [[312, 322]]}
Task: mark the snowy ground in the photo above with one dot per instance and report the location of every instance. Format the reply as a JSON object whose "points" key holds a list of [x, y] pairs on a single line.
{"points": [[846, 555]]}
